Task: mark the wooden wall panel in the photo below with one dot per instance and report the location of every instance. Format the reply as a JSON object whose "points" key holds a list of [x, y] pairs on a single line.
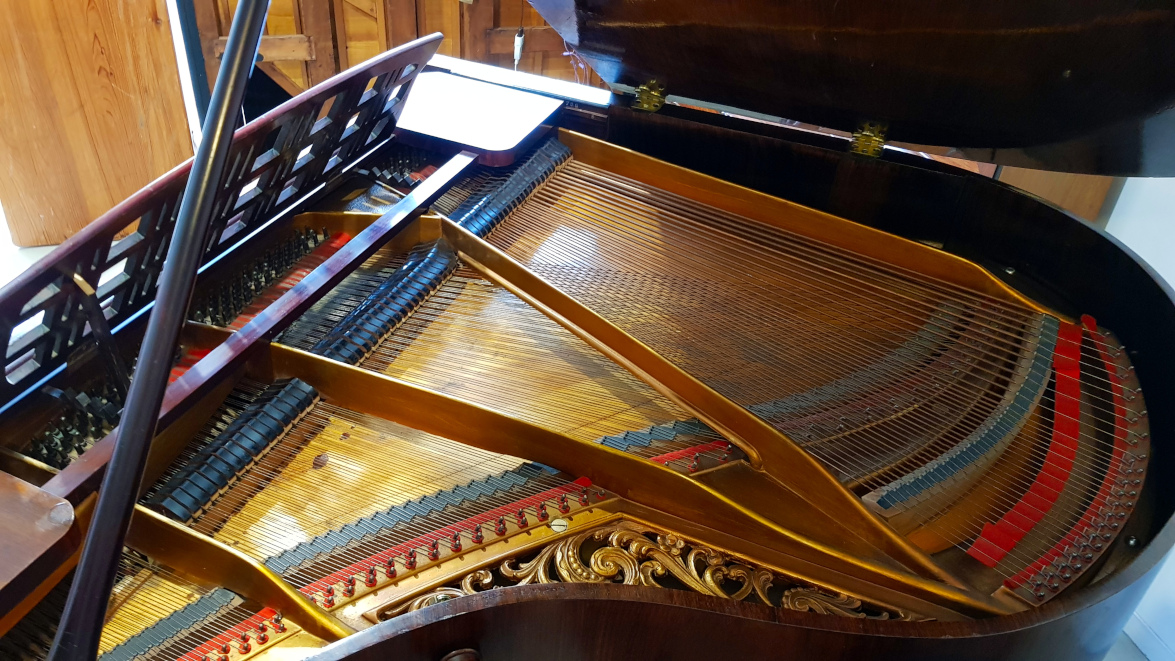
{"points": [[347, 32], [91, 107], [543, 49], [284, 18], [442, 16], [361, 29], [400, 21]]}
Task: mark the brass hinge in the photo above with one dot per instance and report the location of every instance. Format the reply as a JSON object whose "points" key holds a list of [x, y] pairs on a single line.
{"points": [[649, 97], [869, 139]]}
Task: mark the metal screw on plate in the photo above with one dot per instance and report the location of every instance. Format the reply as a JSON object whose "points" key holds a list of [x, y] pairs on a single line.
{"points": [[1010, 270], [1132, 541], [559, 525]]}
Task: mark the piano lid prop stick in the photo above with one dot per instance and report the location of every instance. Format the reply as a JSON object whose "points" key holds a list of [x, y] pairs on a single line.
{"points": [[81, 625]]}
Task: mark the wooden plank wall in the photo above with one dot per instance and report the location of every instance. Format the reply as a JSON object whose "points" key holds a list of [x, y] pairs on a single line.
{"points": [[92, 110], [307, 41]]}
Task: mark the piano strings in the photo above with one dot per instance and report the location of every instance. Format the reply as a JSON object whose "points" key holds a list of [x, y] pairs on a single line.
{"points": [[700, 286]]}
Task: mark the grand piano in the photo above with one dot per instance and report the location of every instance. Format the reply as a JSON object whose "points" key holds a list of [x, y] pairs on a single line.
{"points": [[484, 366]]}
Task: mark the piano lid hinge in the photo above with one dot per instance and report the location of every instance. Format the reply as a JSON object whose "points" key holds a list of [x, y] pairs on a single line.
{"points": [[869, 139], [649, 97]]}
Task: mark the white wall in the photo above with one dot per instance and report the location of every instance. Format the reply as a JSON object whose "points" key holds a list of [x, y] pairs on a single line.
{"points": [[1144, 219]]}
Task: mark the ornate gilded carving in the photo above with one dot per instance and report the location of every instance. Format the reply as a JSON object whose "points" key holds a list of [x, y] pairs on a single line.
{"points": [[632, 554]]}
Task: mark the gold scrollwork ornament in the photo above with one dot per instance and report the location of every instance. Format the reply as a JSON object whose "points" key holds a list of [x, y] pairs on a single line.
{"points": [[635, 555]]}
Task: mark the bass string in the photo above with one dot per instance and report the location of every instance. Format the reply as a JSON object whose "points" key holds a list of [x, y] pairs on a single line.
{"points": [[533, 234], [592, 178], [458, 371], [541, 233], [664, 231], [618, 296], [994, 484], [744, 401], [663, 220]]}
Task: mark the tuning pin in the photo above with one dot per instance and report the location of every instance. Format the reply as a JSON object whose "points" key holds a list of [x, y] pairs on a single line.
{"points": [[500, 526], [434, 550], [390, 568], [371, 578], [478, 538], [225, 648], [455, 544], [727, 453], [520, 519], [329, 601], [349, 586], [583, 497], [410, 559], [262, 638], [245, 647], [329, 591], [278, 625], [564, 506]]}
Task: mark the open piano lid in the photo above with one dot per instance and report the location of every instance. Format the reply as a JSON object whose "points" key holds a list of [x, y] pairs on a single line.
{"points": [[1084, 86]]}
